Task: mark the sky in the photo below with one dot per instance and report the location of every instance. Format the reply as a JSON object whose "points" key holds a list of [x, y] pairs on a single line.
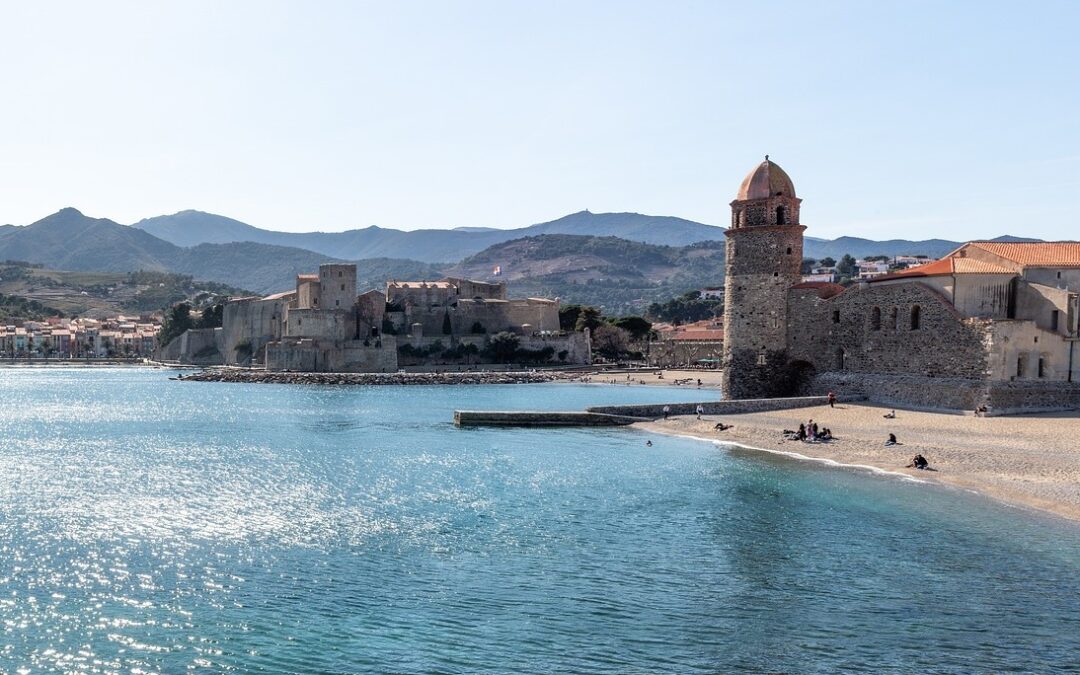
{"points": [[909, 119]]}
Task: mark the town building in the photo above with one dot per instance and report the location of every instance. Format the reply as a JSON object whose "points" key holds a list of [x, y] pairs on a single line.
{"points": [[991, 323], [79, 338]]}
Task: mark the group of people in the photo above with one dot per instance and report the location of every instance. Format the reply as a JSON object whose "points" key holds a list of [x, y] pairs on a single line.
{"points": [[809, 432]]}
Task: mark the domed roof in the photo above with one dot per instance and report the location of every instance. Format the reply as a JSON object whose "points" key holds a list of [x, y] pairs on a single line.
{"points": [[766, 180]]}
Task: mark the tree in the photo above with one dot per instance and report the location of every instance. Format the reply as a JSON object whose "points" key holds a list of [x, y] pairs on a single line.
{"points": [[177, 320], [212, 316], [635, 325], [589, 317], [827, 262], [503, 346], [568, 317], [807, 266], [846, 266], [447, 327], [610, 341]]}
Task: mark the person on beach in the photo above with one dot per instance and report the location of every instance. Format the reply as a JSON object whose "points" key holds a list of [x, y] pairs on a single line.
{"points": [[720, 426], [919, 462], [648, 443], [700, 411], [667, 411], [801, 433], [699, 382], [891, 415], [832, 400], [892, 440]]}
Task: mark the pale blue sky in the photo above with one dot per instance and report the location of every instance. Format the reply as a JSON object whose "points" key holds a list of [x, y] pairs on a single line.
{"points": [[895, 119]]}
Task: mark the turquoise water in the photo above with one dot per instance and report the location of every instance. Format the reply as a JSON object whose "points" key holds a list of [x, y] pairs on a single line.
{"points": [[157, 526]]}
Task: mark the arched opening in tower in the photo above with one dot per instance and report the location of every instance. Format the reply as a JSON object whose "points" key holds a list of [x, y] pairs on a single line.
{"points": [[781, 216]]}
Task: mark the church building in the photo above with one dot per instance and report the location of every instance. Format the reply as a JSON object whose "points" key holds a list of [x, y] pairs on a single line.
{"points": [[991, 323]]}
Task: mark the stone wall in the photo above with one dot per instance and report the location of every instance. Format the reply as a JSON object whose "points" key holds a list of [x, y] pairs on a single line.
{"points": [[954, 394], [254, 322], [906, 391], [746, 405], [320, 323], [893, 329], [332, 356], [198, 346]]}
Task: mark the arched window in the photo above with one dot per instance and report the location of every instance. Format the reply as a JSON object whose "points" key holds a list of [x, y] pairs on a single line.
{"points": [[841, 357], [875, 318], [916, 317], [781, 216], [789, 250]]}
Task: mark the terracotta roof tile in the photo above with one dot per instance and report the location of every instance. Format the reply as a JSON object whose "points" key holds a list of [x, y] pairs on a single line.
{"points": [[1041, 254]]}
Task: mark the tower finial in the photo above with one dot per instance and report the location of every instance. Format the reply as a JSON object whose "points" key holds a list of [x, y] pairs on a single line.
{"points": [[766, 158]]}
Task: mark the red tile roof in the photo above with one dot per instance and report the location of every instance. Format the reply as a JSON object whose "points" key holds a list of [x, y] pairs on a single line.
{"points": [[1037, 254]]}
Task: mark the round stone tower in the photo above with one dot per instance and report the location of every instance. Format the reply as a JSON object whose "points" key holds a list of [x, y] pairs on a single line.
{"points": [[764, 255]]}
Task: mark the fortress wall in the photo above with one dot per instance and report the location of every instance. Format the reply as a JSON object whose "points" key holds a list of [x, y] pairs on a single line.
{"points": [[258, 321], [315, 323], [840, 333], [314, 355], [196, 340]]}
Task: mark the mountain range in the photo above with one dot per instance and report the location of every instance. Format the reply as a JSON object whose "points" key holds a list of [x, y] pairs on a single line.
{"points": [[612, 259]]}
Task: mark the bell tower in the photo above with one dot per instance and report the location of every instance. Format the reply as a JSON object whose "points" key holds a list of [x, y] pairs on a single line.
{"points": [[764, 256]]}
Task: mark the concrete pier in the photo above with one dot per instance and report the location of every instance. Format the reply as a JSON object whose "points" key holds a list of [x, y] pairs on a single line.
{"points": [[534, 418]]}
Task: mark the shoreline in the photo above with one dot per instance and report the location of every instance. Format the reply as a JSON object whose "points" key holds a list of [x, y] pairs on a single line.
{"points": [[1027, 461]]}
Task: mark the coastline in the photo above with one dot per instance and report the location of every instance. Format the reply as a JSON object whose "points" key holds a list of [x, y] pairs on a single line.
{"points": [[1028, 461]]}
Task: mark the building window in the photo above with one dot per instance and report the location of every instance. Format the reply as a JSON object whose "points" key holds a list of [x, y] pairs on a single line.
{"points": [[875, 318], [836, 316], [1054, 320], [776, 274], [342, 286], [1042, 366], [1021, 365], [761, 360], [337, 303], [841, 358], [916, 317], [781, 217], [789, 250], [339, 273]]}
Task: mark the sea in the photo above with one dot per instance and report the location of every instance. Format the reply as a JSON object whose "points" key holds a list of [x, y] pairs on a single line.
{"points": [[156, 526]]}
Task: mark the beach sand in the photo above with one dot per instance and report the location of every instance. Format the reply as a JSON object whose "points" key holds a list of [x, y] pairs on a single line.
{"points": [[1030, 460]]}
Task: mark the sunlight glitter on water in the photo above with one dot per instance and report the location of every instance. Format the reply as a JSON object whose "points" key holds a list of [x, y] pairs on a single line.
{"points": [[170, 526]]}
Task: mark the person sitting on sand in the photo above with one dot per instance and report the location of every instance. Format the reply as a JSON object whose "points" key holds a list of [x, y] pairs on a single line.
{"points": [[892, 440], [981, 410], [720, 426], [919, 462], [891, 415], [826, 434], [801, 433]]}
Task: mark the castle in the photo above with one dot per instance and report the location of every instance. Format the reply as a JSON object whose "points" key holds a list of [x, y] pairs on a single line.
{"points": [[990, 324], [324, 326]]}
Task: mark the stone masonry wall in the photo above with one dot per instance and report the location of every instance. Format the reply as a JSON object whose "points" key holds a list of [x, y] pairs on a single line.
{"points": [[871, 329]]}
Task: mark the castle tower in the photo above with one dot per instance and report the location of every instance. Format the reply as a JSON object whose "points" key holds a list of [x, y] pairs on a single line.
{"points": [[764, 255], [337, 286]]}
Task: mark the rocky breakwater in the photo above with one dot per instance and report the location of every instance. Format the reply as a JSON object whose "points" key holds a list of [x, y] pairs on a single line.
{"points": [[478, 377]]}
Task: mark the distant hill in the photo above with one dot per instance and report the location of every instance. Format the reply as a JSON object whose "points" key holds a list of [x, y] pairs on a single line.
{"points": [[189, 228], [618, 275], [69, 240]]}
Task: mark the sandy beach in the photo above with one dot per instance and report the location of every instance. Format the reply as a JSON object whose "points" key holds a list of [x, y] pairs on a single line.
{"points": [[1030, 460]]}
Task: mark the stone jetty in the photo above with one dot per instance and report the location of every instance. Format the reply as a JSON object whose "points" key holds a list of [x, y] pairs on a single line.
{"points": [[477, 377]]}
